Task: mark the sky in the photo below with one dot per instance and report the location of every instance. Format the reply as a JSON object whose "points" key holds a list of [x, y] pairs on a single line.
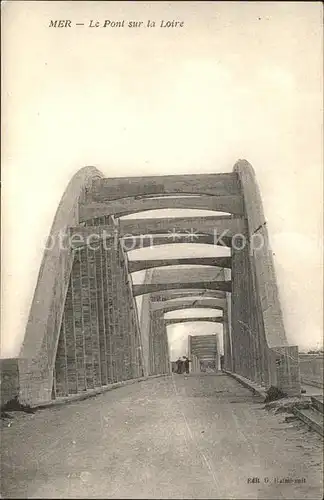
{"points": [[238, 80]]}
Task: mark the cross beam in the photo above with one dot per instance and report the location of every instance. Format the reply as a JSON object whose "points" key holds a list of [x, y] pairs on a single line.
{"points": [[230, 226], [82, 236], [124, 206], [109, 189], [225, 286], [164, 295], [188, 303], [139, 265], [212, 319]]}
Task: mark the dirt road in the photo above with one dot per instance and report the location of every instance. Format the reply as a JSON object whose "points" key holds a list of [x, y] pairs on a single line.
{"points": [[176, 437]]}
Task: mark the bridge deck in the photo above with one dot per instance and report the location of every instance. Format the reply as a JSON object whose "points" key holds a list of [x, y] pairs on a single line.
{"points": [[176, 437]]}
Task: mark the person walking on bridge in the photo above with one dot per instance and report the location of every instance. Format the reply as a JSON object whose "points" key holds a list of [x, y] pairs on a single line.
{"points": [[179, 365], [186, 363]]}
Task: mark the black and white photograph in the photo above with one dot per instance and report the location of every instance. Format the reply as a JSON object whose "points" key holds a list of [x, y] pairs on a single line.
{"points": [[162, 250]]}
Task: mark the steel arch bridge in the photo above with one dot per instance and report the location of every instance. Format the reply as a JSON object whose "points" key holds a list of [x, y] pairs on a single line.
{"points": [[84, 330]]}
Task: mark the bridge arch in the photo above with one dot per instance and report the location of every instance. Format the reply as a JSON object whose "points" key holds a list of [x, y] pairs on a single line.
{"points": [[38, 351], [84, 331]]}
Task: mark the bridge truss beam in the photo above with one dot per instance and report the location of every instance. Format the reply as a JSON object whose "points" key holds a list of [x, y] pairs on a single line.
{"points": [[83, 329]]}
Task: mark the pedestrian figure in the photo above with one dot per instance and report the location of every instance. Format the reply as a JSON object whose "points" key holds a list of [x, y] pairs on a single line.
{"points": [[186, 364], [179, 365], [183, 364]]}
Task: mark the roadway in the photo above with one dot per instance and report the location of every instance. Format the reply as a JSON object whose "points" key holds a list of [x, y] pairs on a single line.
{"points": [[197, 436]]}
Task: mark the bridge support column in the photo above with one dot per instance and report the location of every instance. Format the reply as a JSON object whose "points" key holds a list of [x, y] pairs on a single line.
{"points": [[108, 317], [125, 312], [227, 336], [145, 327], [102, 304], [68, 348], [117, 318], [159, 351], [194, 366], [247, 331]]}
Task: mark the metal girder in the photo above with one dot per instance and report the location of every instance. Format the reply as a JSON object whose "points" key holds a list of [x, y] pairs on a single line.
{"points": [[216, 226], [183, 274], [232, 204], [139, 265], [109, 189], [188, 303], [80, 236], [164, 295], [224, 286], [212, 319]]}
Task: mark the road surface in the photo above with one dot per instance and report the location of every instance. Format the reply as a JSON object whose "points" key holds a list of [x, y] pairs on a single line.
{"points": [[202, 436]]}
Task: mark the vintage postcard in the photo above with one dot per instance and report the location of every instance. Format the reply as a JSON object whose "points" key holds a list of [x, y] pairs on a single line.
{"points": [[162, 250]]}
